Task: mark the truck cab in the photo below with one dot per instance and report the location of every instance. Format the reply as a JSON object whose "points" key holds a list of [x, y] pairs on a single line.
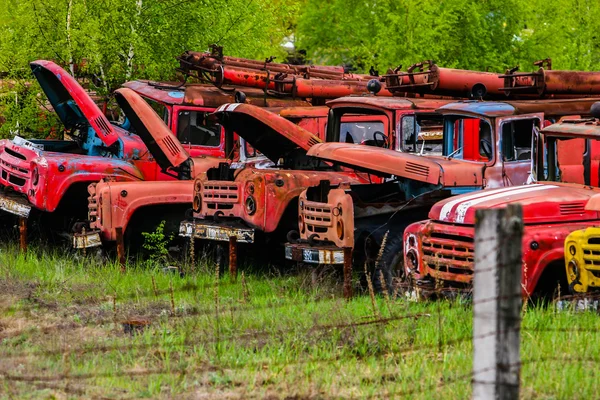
{"points": [[565, 157]]}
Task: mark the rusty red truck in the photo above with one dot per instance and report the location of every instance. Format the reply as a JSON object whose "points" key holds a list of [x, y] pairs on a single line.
{"points": [[246, 203], [484, 144], [439, 251]]}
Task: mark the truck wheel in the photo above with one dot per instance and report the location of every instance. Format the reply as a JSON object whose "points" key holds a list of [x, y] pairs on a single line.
{"points": [[390, 266]]}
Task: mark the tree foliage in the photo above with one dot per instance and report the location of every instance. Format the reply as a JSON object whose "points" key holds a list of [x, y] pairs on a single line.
{"points": [[470, 34], [119, 40]]}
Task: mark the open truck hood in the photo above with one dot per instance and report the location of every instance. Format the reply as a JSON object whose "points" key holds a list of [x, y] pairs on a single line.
{"points": [[432, 170], [269, 133], [157, 136], [70, 101]]}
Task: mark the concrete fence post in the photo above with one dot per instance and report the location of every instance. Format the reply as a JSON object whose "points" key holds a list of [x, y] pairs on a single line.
{"points": [[497, 303]]}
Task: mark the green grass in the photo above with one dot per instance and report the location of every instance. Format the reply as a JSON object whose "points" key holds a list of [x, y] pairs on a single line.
{"points": [[61, 333]]}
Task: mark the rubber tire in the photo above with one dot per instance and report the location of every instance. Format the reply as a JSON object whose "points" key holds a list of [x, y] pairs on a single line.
{"points": [[390, 265]]}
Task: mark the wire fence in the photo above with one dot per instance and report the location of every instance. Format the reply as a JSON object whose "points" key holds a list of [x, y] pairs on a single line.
{"points": [[244, 339]]}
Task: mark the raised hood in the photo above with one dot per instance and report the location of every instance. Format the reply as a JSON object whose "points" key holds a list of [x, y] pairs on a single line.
{"points": [[71, 102], [157, 136], [546, 202], [433, 170], [269, 133]]}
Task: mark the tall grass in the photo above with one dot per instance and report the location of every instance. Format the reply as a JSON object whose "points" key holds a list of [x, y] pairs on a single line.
{"points": [[62, 331]]}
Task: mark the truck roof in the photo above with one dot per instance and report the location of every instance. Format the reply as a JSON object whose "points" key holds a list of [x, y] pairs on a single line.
{"points": [[388, 103], [515, 107], [579, 128], [204, 95]]}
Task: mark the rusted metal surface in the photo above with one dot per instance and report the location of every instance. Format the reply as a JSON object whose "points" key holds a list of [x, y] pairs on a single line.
{"points": [[218, 232], [266, 131], [319, 254], [23, 234], [443, 246], [428, 78], [14, 204], [391, 103], [113, 204], [585, 129], [280, 79], [347, 273], [260, 197], [550, 108], [87, 240], [544, 82], [433, 170], [233, 258], [206, 95], [120, 248], [327, 221], [166, 149]]}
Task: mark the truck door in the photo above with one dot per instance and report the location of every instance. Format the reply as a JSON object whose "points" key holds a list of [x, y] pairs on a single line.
{"points": [[514, 150]]}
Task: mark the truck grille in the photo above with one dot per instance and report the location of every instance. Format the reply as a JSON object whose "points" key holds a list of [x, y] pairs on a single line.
{"points": [[11, 171], [220, 195], [317, 217], [446, 253], [93, 209]]}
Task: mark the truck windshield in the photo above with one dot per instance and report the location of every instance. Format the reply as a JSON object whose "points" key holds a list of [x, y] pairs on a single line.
{"points": [[194, 128], [421, 134], [369, 133]]}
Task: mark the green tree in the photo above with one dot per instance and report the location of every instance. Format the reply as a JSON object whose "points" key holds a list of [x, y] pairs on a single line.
{"points": [[118, 40]]}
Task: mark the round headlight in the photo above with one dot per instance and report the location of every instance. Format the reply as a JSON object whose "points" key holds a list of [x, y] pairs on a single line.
{"points": [[574, 268], [197, 187], [251, 188], [572, 250], [412, 261], [250, 205], [340, 229], [411, 241], [35, 176], [197, 205]]}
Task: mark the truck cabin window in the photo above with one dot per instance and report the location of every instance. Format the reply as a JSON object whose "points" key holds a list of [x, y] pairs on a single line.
{"points": [[516, 139], [468, 139], [194, 128], [367, 133], [422, 134], [250, 151]]}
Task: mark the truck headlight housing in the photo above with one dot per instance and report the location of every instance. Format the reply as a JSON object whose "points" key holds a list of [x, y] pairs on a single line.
{"points": [[412, 261], [250, 205], [35, 176], [197, 205], [339, 227]]}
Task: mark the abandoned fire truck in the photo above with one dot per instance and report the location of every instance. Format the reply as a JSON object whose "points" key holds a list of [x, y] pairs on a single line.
{"points": [[439, 251], [484, 145], [251, 205]]}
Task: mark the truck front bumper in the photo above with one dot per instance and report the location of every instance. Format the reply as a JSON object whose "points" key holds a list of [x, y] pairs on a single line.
{"points": [[219, 232], [14, 204], [87, 240], [316, 254]]}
